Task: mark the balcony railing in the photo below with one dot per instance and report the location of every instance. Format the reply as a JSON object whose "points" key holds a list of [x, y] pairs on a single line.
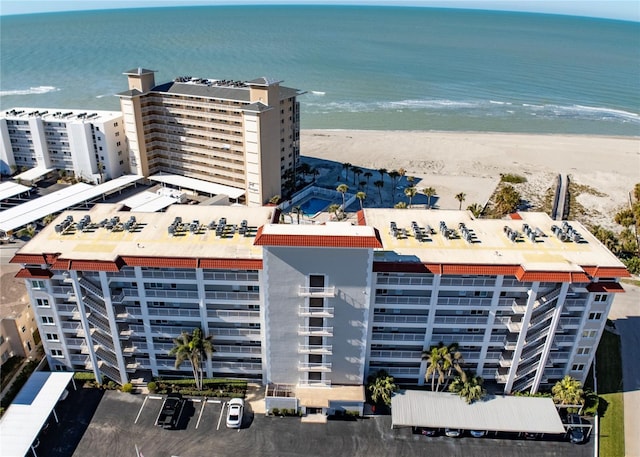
{"points": [[460, 320], [305, 366], [329, 291], [315, 311], [314, 382], [315, 349], [315, 331], [399, 319]]}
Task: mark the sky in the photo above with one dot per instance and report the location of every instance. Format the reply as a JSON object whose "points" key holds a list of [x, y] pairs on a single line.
{"points": [[628, 10]]}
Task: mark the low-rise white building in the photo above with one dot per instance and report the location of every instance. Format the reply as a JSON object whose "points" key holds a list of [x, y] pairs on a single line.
{"points": [[525, 300], [91, 145]]}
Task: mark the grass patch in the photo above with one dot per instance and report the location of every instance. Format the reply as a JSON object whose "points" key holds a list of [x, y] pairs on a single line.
{"points": [[611, 405], [633, 282], [612, 425], [512, 178]]}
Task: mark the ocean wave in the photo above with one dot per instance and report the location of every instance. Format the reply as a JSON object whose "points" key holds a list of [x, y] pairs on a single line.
{"points": [[317, 92], [492, 108], [31, 91]]}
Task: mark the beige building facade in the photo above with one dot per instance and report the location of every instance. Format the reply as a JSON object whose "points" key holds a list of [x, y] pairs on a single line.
{"points": [[240, 134]]}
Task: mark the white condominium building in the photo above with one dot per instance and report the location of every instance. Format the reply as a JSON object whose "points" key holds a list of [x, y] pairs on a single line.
{"points": [[78, 142], [240, 134], [320, 305]]}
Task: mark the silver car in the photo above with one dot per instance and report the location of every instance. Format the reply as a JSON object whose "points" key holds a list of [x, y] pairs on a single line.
{"points": [[234, 412]]}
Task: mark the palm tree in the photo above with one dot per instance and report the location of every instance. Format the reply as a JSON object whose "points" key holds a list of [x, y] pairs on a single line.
{"points": [[343, 188], [297, 209], [394, 175], [381, 386], [410, 192], [476, 209], [356, 172], [346, 167], [29, 231], [468, 386], [382, 172], [452, 360], [400, 205], [429, 192], [361, 196], [435, 361], [379, 184], [368, 175], [568, 391], [333, 208], [275, 199], [461, 197], [194, 348], [48, 219], [507, 200]]}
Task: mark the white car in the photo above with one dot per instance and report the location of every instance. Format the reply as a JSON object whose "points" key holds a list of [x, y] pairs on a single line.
{"points": [[234, 412], [452, 432], [477, 433]]}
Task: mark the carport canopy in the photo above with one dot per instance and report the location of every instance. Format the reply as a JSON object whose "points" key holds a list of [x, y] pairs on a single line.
{"points": [[184, 182], [414, 408], [30, 410]]}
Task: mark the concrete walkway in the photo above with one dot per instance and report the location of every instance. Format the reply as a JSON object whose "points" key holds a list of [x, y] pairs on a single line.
{"points": [[625, 312]]}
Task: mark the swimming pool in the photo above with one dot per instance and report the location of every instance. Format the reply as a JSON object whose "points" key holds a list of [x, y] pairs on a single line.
{"points": [[314, 205]]}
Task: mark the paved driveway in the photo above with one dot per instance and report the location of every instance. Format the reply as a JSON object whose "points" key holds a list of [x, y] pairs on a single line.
{"points": [[625, 312], [123, 421]]}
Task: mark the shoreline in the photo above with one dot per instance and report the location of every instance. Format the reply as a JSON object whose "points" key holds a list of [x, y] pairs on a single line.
{"points": [[476, 132], [605, 167]]}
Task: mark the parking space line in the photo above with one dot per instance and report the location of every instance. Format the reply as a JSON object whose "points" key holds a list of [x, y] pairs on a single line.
{"points": [[214, 401], [221, 414], [140, 411], [200, 415]]}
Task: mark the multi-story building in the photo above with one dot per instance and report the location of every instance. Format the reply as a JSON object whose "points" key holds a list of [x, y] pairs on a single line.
{"points": [[241, 134], [525, 300], [18, 332], [78, 142]]}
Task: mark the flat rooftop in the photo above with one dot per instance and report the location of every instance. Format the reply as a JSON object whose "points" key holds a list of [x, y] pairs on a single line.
{"points": [[489, 245], [60, 115], [150, 237]]}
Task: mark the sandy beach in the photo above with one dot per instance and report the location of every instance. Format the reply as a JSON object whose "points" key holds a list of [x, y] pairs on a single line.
{"points": [[454, 162]]}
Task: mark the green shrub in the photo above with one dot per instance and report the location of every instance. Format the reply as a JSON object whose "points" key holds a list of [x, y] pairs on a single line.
{"points": [[512, 178], [275, 411], [111, 385], [152, 386], [84, 376], [352, 413], [633, 265], [127, 388]]}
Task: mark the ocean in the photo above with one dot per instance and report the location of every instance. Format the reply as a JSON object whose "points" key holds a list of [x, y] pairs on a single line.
{"points": [[386, 68]]}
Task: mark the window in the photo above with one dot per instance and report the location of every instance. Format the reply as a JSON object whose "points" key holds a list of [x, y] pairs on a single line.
{"points": [[23, 329], [37, 284], [52, 337], [577, 367], [589, 333], [600, 297], [42, 302], [595, 316], [117, 134], [583, 351], [56, 353], [47, 320]]}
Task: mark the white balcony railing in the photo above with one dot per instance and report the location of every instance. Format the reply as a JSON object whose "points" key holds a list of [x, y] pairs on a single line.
{"points": [[315, 349], [315, 331], [329, 291], [307, 311]]}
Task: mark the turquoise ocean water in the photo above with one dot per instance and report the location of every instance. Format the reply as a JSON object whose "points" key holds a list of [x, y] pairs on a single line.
{"points": [[362, 67]]}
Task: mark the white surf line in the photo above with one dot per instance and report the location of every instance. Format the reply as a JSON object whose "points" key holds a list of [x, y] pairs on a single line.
{"points": [[201, 411], [221, 414], [140, 411]]}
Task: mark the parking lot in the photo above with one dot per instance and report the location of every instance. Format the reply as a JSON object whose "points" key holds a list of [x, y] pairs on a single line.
{"points": [[120, 422]]}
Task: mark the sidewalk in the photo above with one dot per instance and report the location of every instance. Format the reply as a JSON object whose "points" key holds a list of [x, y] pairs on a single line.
{"points": [[626, 314]]}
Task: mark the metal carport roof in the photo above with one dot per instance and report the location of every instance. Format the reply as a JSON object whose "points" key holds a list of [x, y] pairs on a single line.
{"points": [[10, 189], [29, 411], [494, 413], [198, 184]]}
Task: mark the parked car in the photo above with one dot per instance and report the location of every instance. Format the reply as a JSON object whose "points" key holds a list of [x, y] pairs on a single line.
{"points": [[426, 431], [452, 432], [478, 433], [576, 432], [171, 411], [235, 412]]}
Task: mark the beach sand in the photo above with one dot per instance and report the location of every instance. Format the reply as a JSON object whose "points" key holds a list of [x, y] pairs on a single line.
{"points": [[468, 162]]}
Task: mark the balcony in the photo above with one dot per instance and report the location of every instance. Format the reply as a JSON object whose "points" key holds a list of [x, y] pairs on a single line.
{"points": [[329, 291], [306, 311], [519, 306], [315, 349], [315, 367], [234, 316], [459, 320], [315, 331], [314, 382], [510, 344], [506, 359], [400, 319]]}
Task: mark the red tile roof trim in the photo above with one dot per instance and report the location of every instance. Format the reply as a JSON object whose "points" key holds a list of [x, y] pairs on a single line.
{"points": [[231, 264], [37, 259], [606, 287], [160, 262], [324, 241], [603, 272], [93, 265], [34, 273], [362, 220]]}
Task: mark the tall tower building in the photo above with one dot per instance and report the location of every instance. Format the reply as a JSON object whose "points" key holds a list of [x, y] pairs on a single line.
{"points": [[241, 134]]}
